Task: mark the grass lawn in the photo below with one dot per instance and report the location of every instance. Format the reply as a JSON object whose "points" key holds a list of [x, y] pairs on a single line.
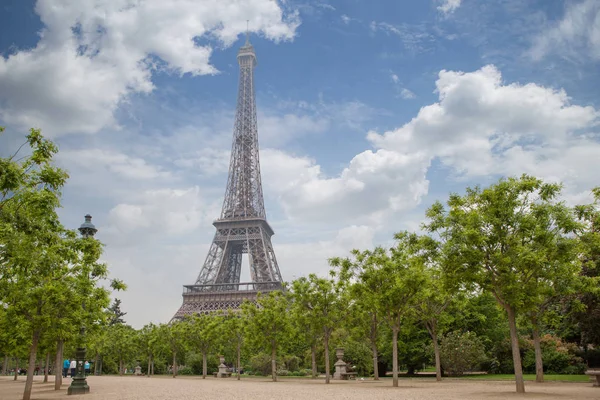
{"points": [[528, 377]]}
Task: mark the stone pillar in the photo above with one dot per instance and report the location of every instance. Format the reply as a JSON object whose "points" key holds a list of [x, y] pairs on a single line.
{"points": [[340, 365], [222, 368]]}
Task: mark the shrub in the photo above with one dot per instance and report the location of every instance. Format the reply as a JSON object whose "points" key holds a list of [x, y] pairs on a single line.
{"points": [[460, 352], [260, 364], [558, 357], [283, 372], [185, 371]]}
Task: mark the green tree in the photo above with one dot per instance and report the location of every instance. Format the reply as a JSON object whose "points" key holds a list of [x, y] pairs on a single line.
{"points": [[268, 324], [122, 339], [233, 330], [42, 262], [202, 335], [363, 283], [587, 318], [435, 295], [324, 305], [502, 239], [401, 282]]}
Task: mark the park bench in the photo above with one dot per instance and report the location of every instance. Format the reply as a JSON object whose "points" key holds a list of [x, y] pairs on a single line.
{"points": [[596, 373], [348, 375]]}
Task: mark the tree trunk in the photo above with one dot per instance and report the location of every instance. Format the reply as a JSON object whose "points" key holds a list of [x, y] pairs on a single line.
{"points": [[395, 331], [121, 366], [436, 349], [313, 351], [239, 360], [539, 364], [174, 364], [47, 369], [31, 366], [16, 368], [149, 363], [153, 367], [204, 364], [274, 361], [373, 338], [327, 370], [58, 367], [4, 365], [514, 341], [375, 361], [97, 361]]}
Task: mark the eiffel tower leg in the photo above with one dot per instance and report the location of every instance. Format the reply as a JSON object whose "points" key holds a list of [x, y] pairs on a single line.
{"points": [[212, 263]]}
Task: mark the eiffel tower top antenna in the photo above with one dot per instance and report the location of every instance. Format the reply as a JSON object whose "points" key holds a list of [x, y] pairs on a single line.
{"points": [[247, 32]]}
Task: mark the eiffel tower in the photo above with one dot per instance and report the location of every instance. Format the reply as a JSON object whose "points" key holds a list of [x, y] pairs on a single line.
{"points": [[242, 227]]}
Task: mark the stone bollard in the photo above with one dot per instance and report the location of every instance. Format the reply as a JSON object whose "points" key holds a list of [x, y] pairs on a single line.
{"points": [[340, 365]]}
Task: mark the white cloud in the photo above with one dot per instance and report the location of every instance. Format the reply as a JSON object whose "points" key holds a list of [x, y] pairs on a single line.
{"points": [[113, 161], [407, 94], [449, 6], [93, 54], [479, 127], [372, 184], [577, 35], [168, 211], [395, 78]]}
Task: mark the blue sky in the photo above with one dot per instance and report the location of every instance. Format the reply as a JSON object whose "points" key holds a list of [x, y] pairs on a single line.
{"points": [[368, 112]]}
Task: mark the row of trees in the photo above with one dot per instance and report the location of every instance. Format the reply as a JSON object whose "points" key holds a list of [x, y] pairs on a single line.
{"points": [[508, 272], [513, 242], [500, 276], [49, 276]]}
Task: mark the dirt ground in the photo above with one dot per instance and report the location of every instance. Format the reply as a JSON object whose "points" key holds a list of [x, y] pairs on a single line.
{"points": [[160, 388]]}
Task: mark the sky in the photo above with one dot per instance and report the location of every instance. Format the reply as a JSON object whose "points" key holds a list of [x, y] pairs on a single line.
{"points": [[368, 112]]}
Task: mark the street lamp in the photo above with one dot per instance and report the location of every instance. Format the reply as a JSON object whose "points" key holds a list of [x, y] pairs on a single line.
{"points": [[79, 383]]}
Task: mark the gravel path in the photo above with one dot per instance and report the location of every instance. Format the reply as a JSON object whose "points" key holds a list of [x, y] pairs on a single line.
{"points": [[182, 388]]}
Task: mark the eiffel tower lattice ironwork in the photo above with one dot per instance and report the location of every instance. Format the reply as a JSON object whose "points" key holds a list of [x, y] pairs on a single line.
{"points": [[242, 227]]}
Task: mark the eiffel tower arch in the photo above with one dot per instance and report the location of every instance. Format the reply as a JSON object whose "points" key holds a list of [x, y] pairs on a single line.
{"points": [[242, 229]]}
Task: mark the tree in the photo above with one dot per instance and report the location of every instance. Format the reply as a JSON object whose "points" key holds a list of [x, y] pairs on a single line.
{"points": [[435, 296], [322, 300], [115, 314], [502, 239], [362, 283], [176, 334], [122, 339], [304, 324], [202, 334], [232, 329], [401, 281], [41, 261], [268, 323], [587, 318]]}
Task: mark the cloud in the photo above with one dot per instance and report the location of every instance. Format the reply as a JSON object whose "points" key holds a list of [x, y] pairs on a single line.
{"points": [[576, 36], [115, 162], [402, 91], [94, 54], [169, 211], [416, 38], [407, 94], [449, 6], [479, 127]]}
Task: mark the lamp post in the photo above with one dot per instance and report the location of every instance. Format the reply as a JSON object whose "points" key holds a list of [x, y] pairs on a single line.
{"points": [[79, 383]]}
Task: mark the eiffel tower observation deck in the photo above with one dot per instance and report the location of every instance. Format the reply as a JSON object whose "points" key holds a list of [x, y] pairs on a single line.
{"points": [[242, 227]]}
